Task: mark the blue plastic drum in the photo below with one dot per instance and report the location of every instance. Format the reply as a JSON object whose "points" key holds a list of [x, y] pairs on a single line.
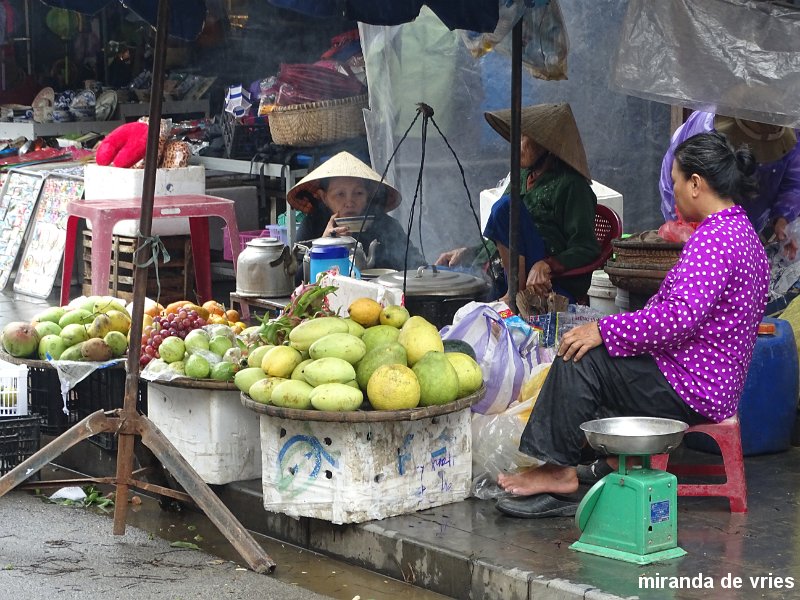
{"points": [[767, 409], [769, 400]]}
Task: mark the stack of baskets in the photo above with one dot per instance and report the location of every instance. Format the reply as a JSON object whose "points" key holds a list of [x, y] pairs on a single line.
{"points": [[639, 266], [318, 123]]}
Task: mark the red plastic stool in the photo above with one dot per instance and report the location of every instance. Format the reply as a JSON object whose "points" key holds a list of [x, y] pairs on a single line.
{"points": [[104, 214], [728, 436]]}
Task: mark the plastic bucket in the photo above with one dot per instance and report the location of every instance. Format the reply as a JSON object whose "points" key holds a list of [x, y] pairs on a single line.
{"points": [[602, 294], [325, 258], [623, 300]]}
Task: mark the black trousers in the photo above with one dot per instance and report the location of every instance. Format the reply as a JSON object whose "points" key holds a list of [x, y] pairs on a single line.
{"points": [[596, 387]]}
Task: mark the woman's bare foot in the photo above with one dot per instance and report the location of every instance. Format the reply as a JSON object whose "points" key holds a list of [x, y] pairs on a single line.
{"points": [[540, 480]]}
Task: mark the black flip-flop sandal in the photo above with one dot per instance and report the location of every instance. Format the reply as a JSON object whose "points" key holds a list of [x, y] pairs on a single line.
{"points": [[539, 506], [591, 474]]}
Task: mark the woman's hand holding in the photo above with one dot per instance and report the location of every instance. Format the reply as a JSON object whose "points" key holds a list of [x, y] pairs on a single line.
{"points": [[539, 278], [452, 258], [331, 228], [578, 341], [790, 249]]}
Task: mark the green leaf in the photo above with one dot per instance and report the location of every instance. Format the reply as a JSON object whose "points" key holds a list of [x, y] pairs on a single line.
{"points": [[188, 545]]}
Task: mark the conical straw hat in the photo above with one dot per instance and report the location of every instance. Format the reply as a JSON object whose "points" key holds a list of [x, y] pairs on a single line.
{"points": [[343, 164], [767, 142], [552, 126]]}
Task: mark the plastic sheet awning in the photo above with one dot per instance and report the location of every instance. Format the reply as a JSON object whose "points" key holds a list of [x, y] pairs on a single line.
{"points": [[186, 17], [734, 57]]}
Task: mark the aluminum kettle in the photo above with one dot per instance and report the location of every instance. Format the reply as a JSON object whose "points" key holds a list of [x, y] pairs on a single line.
{"points": [[265, 269]]}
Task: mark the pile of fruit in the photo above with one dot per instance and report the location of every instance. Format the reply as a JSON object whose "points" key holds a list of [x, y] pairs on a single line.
{"points": [[178, 320], [331, 363], [92, 329]]}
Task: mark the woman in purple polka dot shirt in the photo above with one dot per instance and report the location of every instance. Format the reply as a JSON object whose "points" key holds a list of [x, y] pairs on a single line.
{"points": [[683, 356]]}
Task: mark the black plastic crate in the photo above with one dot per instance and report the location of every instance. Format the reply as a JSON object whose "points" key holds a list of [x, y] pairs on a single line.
{"points": [[44, 400], [104, 389], [20, 438], [244, 141]]}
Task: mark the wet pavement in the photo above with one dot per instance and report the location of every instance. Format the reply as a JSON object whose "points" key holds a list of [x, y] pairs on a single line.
{"points": [[469, 550], [53, 551]]}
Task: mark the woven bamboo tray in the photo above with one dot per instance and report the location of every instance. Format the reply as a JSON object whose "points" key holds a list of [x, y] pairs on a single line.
{"points": [[658, 256], [318, 123], [361, 416], [637, 279]]}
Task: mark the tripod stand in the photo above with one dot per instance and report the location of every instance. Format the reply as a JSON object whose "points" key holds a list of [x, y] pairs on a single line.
{"points": [[126, 422]]}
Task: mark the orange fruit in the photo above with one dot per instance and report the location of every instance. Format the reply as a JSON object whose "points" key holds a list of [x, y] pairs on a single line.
{"points": [[232, 315], [154, 309], [176, 306], [214, 308]]}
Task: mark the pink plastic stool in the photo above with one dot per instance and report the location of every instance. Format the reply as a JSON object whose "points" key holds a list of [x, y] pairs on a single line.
{"points": [[728, 437], [104, 214]]}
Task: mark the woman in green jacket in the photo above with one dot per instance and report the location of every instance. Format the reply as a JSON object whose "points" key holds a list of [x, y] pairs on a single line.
{"points": [[557, 227]]}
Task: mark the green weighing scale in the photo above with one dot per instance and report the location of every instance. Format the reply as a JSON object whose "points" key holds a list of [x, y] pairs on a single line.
{"points": [[631, 514]]}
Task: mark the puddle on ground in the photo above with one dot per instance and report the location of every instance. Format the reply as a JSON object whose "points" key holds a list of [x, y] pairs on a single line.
{"points": [[296, 566]]}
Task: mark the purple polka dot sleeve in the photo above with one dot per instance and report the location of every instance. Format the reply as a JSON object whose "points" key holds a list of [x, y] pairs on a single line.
{"points": [[701, 325]]}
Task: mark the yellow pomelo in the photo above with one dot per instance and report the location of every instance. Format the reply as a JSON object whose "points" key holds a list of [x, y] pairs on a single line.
{"points": [[393, 387]]}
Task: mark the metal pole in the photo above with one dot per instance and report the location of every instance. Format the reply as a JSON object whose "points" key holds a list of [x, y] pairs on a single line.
{"points": [[126, 441], [514, 206]]}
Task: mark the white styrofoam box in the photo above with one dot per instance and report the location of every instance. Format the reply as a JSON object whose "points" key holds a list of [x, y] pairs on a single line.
{"points": [[350, 289], [246, 207], [212, 430], [103, 183], [355, 472], [610, 198], [13, 390], [605, 196]]}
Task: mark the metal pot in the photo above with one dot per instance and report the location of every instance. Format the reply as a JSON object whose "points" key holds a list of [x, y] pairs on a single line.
{"points": [[265, 269], [436, 294]]}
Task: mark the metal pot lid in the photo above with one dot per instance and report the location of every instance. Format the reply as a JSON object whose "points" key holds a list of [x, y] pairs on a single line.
{"points": [[334, 241], [432, 281], [265, 242]]}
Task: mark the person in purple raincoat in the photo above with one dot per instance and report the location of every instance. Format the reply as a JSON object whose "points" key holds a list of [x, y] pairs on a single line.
{"points": [[777, 153], [684, 356]]}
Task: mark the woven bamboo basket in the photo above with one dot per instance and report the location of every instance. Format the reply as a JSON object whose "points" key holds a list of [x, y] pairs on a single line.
{"points": [[640, 266], [658, 256], [318, 123]]}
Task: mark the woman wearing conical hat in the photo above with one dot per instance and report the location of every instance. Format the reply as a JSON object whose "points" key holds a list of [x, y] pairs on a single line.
{"points": [[777, 153], [343, 186], [557, 227]]}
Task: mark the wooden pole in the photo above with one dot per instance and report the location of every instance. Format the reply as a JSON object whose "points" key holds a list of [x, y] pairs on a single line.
{"points": [[514, 138]]}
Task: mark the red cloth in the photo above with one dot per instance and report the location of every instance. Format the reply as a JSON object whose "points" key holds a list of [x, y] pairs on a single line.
{"points": [[125, 146]]}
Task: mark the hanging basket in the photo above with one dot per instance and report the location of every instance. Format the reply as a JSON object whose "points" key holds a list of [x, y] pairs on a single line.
{"points": [[318, 123]]}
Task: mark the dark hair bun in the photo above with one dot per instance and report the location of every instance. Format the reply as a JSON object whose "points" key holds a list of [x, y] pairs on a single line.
{"points": [[745, 160]]}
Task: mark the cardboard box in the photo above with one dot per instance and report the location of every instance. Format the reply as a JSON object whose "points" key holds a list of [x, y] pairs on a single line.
{"points": [[355, 472]]}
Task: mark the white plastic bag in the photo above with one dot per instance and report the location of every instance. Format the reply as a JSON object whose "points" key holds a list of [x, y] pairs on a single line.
{"points": [[495, 443], [505, 362], [489, 197]]}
